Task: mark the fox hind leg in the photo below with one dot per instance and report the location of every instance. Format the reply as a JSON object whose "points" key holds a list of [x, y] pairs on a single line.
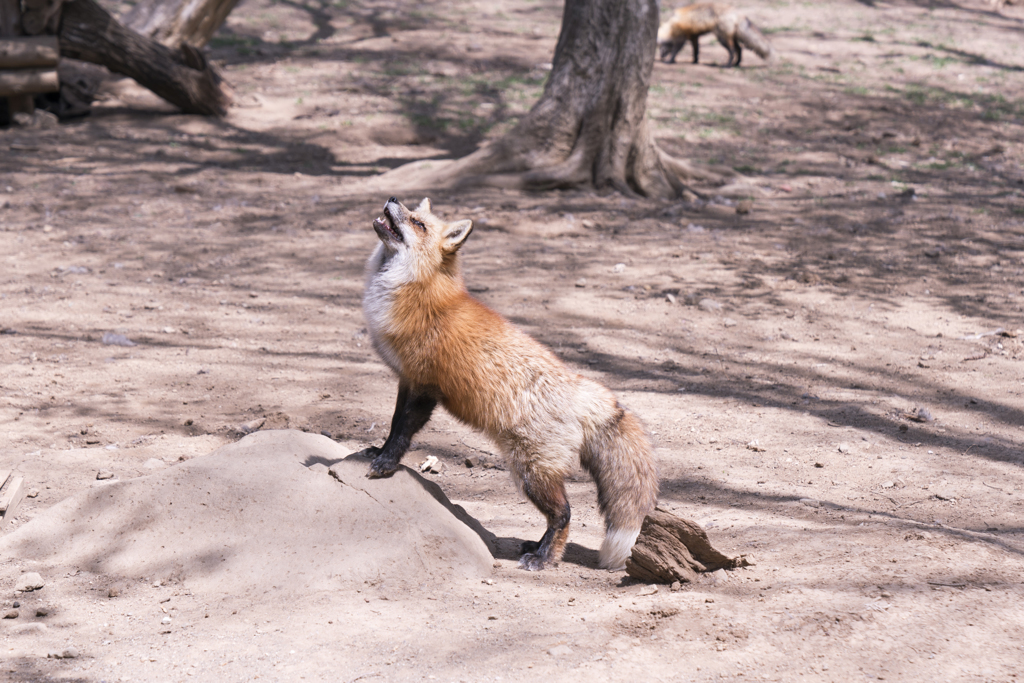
{"points": [[546, 490]]}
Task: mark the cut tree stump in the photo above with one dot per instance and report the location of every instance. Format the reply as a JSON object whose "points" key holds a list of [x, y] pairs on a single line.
{"points": [[28, 82], [23, 52], [671, 549]]}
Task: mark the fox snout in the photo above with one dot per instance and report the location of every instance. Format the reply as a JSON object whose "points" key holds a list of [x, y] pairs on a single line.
{"points": [[385, 225]]}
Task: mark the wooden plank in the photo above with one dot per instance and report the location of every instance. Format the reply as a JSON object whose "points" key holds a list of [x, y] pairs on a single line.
{"points": [[28, 82], [11, 499], [24, 52], [4, 476]]}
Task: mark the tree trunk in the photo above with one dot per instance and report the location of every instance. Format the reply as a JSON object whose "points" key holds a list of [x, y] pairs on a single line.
{"points": [[590, 126], [182, 77], [174, 22]]}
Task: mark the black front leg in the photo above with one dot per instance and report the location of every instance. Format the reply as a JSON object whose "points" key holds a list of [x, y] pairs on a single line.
{"points": [[412, 411]]}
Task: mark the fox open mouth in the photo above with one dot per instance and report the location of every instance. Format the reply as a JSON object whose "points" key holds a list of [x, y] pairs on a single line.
{"points": [[386, 228]]}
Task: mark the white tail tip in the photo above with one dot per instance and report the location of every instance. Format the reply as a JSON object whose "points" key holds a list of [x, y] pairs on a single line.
{"points": [[618, 543]]}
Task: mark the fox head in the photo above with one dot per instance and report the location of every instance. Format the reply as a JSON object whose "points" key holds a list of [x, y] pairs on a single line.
{"points": [[417, 244]]}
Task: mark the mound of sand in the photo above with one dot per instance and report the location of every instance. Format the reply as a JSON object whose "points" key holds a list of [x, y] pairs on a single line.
{"points": [[261, 514]]}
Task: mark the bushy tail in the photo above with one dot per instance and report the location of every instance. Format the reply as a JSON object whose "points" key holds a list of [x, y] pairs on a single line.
{"points": [[620, 457], [750, 37]]}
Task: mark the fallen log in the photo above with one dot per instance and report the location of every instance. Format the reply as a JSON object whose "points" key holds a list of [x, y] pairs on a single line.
{"points": [[670, 548], [24, 52], [182, 77]]}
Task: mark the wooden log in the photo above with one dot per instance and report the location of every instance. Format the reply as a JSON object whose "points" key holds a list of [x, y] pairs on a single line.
{"points": [[670, 548], [11, 498], [29, 51], [28, 82], [182, 77]]}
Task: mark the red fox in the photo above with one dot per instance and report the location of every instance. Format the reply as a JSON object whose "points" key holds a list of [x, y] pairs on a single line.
{"points": [[732, 29], [449, 348]]}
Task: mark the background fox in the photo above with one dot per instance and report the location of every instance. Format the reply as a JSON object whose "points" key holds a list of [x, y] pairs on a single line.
{"points": [[448, 348], [732, 29]]}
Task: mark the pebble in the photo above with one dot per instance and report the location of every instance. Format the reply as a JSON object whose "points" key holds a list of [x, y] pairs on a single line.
{"points": [[16, 604], [252, 425], [844, 447], [472, 460], [66, 653], [104, 474], [29, 582], [675, 586], [582, 282], [648, 590], [11, 614], [42, 611], [671, 298], [114, 591], [112, 339], [166, 621], [619, 268], [811, 502], [33, 493], [709, 305], [888, 484], [729, 322], [560, 651], [744, 207]]}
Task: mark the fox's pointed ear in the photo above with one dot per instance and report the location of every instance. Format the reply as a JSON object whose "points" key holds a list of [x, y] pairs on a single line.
{"points": [[455, 234], [424, 205]]}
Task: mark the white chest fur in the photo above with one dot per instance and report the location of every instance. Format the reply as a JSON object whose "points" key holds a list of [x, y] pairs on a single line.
{"points": [[382, 282]]}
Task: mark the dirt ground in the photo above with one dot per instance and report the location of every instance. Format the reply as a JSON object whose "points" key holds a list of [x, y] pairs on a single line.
{"points": [[833, 379]]}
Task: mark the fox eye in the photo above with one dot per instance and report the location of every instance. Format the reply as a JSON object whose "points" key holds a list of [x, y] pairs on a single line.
{"points": [[419, 224]]}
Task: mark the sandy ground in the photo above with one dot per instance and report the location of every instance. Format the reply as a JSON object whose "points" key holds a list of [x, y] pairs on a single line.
{"points": [[861, 324]]}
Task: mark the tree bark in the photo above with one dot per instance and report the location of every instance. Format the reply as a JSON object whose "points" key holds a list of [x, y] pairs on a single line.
{"points": [[670, 548], [590, 126], [182, 77], [175, 22]]}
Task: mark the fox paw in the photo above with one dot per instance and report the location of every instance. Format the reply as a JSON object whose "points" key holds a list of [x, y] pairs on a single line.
{"points": [[370, 452], [532, 562], [381, 468]]}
